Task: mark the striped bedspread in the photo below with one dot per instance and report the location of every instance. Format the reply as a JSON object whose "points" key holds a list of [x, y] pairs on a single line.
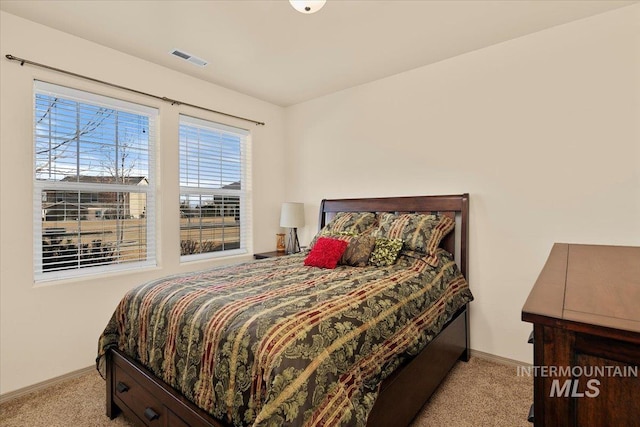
{"points": [[274, 342]]}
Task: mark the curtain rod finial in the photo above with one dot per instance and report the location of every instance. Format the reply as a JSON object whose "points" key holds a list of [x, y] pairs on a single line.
{"points": [[13, 58]]}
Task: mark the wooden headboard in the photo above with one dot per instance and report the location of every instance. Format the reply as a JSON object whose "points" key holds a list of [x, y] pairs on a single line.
{"points": [[454, 206]]}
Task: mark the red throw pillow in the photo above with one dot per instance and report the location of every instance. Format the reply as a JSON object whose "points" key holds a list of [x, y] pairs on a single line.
{"points": [[326, 253]]}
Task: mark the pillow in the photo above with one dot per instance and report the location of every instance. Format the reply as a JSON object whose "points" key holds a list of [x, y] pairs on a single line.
{"points": [[420, 233], [385, 252], [352, 223], [358, 251], [432, 260], [326, 253]]}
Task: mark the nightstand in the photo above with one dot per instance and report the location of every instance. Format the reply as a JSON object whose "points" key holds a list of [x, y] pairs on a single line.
{"points": [[271, 254]]}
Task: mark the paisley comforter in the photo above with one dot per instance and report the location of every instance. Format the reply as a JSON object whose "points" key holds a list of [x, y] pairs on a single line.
{"points": [[274, 342]]}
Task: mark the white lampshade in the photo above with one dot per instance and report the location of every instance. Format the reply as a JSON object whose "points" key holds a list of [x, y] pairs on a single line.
{"points": [[307, 6], [292, 215]]}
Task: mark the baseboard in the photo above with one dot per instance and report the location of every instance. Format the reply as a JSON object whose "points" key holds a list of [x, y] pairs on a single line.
{"points": [[497, 359], [6, 397]]}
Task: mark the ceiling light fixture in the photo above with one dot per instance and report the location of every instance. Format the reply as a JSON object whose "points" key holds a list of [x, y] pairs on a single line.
{"points": [[307, 6]]}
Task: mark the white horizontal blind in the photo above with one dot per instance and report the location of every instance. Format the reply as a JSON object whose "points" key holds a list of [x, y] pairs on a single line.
{"points": [[215, 202], [94, 184]]}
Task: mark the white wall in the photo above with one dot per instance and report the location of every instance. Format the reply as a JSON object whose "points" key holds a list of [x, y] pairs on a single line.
{"points": [[543, 131], [49, 331]]}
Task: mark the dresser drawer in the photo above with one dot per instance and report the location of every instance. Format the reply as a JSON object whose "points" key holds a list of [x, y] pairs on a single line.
{"points": [[138, 399]]}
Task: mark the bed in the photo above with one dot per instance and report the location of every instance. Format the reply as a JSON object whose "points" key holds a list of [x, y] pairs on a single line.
{"points": [[308, 358]]}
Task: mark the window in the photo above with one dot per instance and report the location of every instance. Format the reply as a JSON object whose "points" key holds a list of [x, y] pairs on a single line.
{"points": [[93, 183], [214, 189]]}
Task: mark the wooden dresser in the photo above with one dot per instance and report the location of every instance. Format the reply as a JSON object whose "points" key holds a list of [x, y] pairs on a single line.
{"points": [[585, 310]]}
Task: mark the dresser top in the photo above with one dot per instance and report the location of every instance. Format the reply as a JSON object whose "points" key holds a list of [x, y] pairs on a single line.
{"points": [[588, 286]]}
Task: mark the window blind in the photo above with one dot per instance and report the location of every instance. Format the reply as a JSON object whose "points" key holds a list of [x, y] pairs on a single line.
{"points": [[215, 189], [94, 184]]}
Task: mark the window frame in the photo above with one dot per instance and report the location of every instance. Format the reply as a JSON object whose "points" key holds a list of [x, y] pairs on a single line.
{"points": [[243, 193], [42, 186]]}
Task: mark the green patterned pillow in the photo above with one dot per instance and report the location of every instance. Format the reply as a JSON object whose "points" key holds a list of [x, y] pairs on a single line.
{"points": [[420, 233], [350, 223], [385, 252]]}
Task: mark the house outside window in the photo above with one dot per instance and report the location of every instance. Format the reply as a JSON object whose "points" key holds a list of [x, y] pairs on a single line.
{"points": [[94, 183], [215, 202]]}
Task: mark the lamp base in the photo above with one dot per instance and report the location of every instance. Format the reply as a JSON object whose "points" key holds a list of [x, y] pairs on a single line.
{"points": [[293, 245]]}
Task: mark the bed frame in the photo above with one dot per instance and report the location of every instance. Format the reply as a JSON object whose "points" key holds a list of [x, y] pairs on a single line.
{"points": [[147, 400]]}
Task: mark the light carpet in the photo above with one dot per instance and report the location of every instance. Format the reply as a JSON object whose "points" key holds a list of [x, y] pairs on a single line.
{"points": [[476, 393]]}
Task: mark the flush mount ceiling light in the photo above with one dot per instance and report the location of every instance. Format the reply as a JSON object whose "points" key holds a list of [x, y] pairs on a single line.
{"points": [[307, 6]]}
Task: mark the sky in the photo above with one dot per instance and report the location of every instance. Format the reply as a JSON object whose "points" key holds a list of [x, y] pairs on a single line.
{"points": [[115, 143], [74, 138]]}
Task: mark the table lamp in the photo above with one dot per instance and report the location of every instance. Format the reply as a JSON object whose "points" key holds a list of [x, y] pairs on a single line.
{"points": [[292, 217]]}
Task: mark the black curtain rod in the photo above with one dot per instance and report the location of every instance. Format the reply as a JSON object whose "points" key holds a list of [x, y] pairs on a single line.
{"points": [[162, 98]]}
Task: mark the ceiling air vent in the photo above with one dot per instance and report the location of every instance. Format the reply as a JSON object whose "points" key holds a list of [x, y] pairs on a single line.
{"points": [[188, 57]]}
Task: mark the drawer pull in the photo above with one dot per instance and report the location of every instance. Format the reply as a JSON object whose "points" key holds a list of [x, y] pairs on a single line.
{"points": [[150, 414], [122, 387]]}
